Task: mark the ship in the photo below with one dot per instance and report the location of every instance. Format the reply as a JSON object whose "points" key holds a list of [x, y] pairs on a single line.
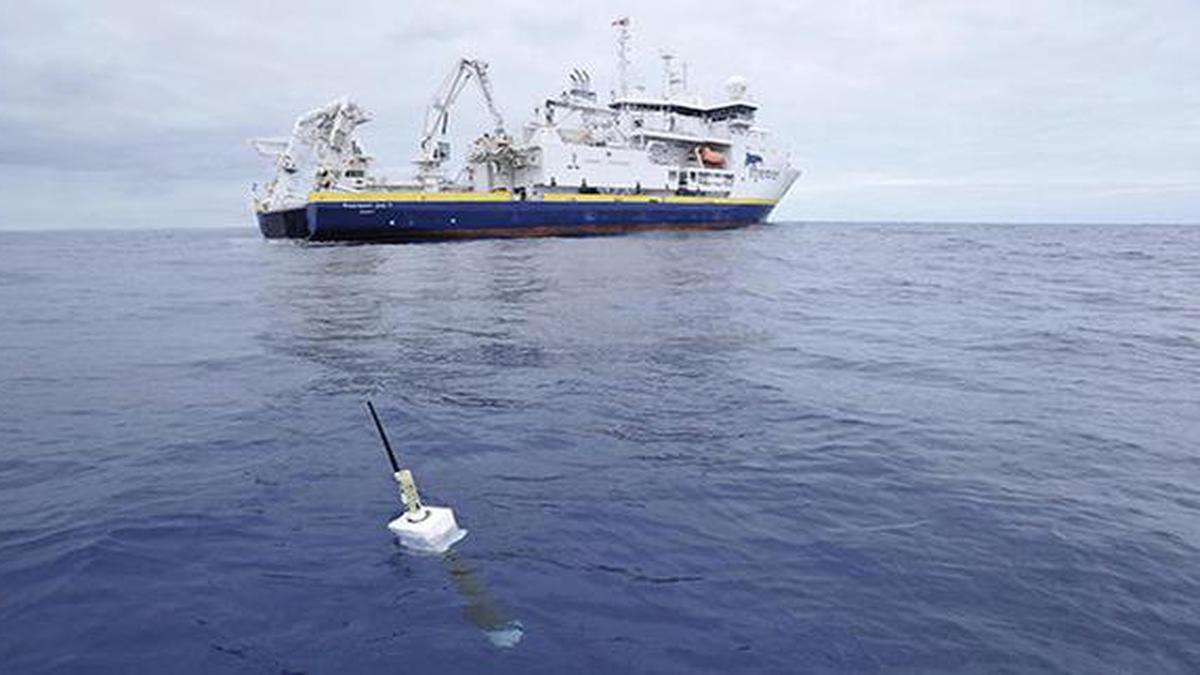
{"points": [[579, 166]]}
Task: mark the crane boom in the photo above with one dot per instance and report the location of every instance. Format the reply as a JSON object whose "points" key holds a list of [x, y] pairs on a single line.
{"points": [[316, 155], [434, 148]]}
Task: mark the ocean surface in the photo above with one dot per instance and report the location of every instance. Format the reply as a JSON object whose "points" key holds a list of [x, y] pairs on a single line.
{"points": [[794, 448]]}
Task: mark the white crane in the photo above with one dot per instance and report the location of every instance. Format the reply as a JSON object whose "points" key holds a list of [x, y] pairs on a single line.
{"points": [[320, 154], [434, 148]]}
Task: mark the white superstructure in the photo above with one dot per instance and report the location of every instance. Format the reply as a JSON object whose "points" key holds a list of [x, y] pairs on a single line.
{"points": [[665, 144]]}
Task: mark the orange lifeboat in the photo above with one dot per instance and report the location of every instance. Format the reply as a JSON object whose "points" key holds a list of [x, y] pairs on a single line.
{"points": [[710, 157]]}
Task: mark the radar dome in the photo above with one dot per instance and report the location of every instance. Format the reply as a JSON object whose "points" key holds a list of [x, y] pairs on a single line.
{"points": [[735, 87]]}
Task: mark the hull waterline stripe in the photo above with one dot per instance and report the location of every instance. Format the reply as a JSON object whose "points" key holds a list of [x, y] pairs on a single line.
{"points": [[410, 197], [351, 197], [646, 199]]}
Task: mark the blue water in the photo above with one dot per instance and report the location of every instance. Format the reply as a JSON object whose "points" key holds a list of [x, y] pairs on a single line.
{"points": [[818, 448]]}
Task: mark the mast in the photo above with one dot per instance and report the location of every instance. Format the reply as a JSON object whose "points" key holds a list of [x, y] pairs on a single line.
{"points": [[668, 85], [622, 25]]}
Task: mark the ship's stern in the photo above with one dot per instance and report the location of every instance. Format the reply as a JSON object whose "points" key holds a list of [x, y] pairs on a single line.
{"points": [[284, 224]]}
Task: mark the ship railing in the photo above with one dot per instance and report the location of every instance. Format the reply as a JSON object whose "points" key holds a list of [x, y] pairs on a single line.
{"points": [[681, 137]]}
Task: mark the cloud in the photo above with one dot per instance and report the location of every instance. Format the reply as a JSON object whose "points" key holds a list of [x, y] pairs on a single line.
{"points": [[895, 109]]}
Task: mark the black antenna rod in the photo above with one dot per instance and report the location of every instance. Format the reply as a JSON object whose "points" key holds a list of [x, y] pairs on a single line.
{"points": [[383, 437]]}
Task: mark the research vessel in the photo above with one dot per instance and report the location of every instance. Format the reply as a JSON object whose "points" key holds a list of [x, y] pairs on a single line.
{"points": [[579, 166]]}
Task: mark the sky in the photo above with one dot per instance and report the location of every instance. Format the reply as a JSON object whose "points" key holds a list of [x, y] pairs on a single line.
{"points": [[128, 114]]}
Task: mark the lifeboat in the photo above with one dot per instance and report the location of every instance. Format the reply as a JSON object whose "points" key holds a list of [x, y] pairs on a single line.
{"points": [[711, 158]]}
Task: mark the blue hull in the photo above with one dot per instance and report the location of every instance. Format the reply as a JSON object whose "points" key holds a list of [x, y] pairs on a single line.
{"points": [[416, 221]]}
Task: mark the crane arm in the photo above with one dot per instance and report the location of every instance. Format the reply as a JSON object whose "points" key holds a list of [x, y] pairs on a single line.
{"points": [[321, 145], [485, 86], [434, 150]]}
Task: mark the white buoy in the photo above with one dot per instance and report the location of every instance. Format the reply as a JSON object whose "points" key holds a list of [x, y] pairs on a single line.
{"points": [[425, 529], [421, 528]]}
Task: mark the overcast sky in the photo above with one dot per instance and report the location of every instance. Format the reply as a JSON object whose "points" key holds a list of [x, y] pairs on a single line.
{"points": [[136, 114]]}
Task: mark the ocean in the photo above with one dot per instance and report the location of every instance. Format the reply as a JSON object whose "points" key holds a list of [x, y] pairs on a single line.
{"points": [[793, 448]]}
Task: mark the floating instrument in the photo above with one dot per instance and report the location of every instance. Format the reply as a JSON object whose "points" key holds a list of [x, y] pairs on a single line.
{"points": [[421, 528]]}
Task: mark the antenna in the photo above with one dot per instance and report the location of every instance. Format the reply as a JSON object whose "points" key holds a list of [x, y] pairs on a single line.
{"points": [[668, 73], [383, 437], [622, 25]]}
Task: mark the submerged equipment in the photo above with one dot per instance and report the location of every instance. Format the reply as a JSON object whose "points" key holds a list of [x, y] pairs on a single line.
{"points": [[421, 528]]}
